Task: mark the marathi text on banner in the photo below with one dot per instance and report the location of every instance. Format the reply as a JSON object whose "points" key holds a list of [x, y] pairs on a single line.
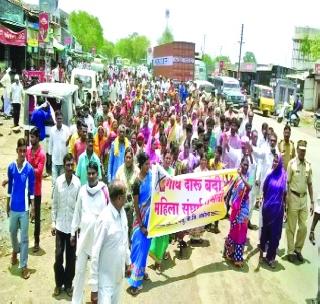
{"points": [[187, 201]]}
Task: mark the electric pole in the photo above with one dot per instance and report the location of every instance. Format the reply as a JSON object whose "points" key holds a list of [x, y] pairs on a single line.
{"points": [[240, 50]]}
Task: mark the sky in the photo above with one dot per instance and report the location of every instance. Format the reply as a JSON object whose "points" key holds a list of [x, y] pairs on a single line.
{"points": [[214, 26]]}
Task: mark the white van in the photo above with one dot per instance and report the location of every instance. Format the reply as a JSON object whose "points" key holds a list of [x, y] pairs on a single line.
{"points": [[87, 77], [61, 96], [229, 88]]}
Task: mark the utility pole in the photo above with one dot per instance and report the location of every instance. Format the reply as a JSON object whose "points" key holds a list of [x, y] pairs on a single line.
{"points": [[240, 50]]}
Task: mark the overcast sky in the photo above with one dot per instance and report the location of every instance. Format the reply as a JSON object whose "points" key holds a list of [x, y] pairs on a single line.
{"points": [[268, 25]]}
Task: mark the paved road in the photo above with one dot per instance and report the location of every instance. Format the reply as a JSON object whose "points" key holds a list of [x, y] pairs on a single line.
{"points": [[202, 276]]}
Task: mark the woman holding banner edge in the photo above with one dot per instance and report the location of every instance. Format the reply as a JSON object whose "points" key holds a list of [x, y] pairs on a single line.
{"points": [[160, 244], [239, 200], [140, 244]]}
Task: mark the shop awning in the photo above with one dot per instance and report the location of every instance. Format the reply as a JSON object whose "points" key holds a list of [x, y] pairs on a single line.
{"points": [[57, 45], [300, 76]]}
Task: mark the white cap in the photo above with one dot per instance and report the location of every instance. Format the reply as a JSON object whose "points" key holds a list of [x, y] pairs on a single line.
{"points": [[16, 77]]}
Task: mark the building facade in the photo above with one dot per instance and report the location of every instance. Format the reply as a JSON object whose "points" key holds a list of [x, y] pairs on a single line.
{"points": [[299, 61]]}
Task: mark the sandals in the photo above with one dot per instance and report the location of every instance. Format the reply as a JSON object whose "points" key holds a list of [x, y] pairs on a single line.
{"points": [[134, 291], [312, 238], [25, 273], [238, 264]]}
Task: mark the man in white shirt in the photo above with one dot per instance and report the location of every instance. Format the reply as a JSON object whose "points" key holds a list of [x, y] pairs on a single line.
{"points": [[16, 97], [55, 74], [92, 199], [6, 84], [65, 194], [110, 251], [58, 145]]}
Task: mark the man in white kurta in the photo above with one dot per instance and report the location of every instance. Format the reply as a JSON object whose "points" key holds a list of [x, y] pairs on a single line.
{"points": [[92, 199], [110, 251]]}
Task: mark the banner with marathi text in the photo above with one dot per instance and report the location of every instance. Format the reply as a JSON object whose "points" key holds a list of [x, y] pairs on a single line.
{"points": [[187, 201]]}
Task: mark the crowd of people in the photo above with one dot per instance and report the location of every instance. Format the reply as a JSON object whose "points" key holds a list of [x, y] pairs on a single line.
{"points": [[101, 182]]}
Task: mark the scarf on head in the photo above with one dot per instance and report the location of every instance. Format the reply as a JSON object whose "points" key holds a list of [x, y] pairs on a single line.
{"points": [[117, 145]]}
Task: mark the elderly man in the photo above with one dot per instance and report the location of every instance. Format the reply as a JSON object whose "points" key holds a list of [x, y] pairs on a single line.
{"points": [[299, 183], [110, 251], [92, 199], [116, 153]]}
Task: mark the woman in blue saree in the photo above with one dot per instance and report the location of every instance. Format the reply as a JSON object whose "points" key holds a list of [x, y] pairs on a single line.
{"points": [[141, 191], [274, 191]]}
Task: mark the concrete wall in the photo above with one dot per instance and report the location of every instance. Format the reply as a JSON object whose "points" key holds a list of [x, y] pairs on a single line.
{"points": [[309, 94]]}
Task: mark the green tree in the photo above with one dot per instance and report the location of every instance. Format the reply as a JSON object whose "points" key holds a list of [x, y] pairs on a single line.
{"points": [[107, 49], [133, 47], [209, 62], [249, 57], [87, 30], [166, 36], [310, 47]]}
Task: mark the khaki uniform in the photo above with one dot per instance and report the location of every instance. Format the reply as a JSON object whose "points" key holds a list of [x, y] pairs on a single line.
{"points": [[299, 176], [287, 151]]}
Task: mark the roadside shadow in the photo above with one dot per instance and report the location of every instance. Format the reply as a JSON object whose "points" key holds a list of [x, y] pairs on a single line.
{"points": [[313, 301], [16, 271], [186, 253], [279, 266], [204, 243], [281, 252], [251, 253], [296, 262], [40, 252], [62, 296], [210, 268]]}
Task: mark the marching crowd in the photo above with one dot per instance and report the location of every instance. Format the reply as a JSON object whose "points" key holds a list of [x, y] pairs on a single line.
{"points": [[101, 182]]}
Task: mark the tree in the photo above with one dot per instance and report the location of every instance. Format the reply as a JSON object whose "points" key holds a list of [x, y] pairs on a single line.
{"points": [[166, 36], [249, 57], [310, 47], [107, 49], [133, 47], [87, 29], [209, 62]]}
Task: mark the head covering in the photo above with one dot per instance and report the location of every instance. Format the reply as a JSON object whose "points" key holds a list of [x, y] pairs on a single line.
{"points": [[140, 136], [273, 190], [16, 77], [302, 144]]}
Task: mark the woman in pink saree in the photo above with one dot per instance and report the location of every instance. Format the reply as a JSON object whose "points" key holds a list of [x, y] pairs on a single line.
{"points": [[239, 203]]}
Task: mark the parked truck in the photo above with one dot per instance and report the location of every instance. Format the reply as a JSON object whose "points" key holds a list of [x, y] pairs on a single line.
{"points": [[175, 60]]}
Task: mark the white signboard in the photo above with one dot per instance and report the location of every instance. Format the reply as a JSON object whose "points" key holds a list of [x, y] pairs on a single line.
{"points": [[163, 61]]}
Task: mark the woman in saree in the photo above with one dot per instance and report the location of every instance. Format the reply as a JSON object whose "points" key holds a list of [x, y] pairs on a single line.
{"points": [[140, 244], [239, 201], [152, 151], [160, 244], [274, 192]]}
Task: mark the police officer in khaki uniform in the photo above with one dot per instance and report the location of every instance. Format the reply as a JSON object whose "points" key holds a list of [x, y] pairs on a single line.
{"points": [[286, 147], [299, 183]]}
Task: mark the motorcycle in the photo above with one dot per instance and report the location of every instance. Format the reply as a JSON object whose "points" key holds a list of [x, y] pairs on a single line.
{"points": [[293, 119], [285, 109], [286, 112]]}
